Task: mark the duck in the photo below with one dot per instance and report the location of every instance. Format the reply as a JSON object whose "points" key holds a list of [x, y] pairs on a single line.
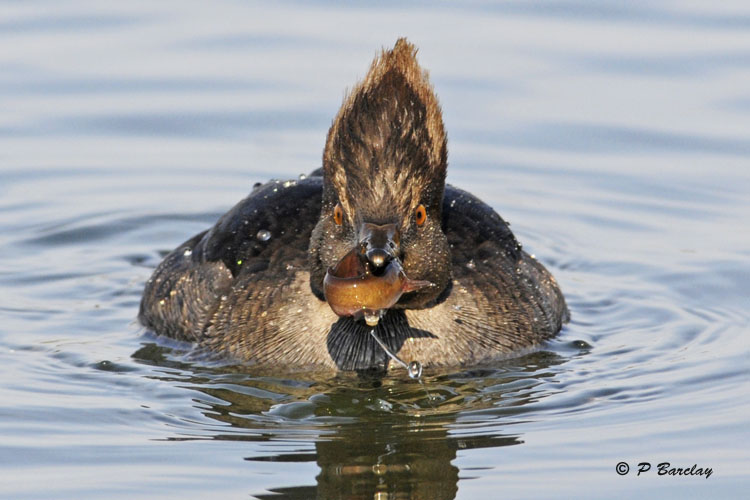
{"points": [[372, 252]]}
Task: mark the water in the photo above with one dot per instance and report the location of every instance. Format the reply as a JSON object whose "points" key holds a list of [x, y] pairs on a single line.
{"points": [[614, 136]]}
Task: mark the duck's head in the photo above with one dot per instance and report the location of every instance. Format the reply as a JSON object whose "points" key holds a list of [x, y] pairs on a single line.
{"points": [[379, 242]]}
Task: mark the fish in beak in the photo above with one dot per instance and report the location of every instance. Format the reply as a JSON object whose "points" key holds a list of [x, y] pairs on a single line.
{"points": [[370, 278]]}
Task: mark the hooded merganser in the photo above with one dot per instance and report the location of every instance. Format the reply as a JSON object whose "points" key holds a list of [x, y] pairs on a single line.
{"points": [[298, 273]]}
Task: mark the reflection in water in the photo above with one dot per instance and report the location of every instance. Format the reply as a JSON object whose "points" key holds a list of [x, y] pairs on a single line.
{"points": [[374, 437]]}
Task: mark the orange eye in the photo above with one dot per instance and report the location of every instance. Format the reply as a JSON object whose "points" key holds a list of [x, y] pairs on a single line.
{"points": [[338, 214], [421, 215]]}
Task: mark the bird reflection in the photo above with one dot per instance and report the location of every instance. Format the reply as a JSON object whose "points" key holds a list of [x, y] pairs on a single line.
{"points": [[374, 438]]}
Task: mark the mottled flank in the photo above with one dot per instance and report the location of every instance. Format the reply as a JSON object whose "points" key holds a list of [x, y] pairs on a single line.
{"points": [[251, 287]]}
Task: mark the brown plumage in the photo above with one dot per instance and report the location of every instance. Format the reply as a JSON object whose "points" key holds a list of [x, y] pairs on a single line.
{"points": [[390, 120], [251, 288]]}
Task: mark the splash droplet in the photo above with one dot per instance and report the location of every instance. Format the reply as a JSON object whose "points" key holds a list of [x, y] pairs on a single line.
{"points": [[302, 177], [188, 252], [264, 235], [415, 369]]}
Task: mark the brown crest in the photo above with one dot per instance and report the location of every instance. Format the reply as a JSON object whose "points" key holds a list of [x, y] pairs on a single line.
{"points": [[386, 147]]}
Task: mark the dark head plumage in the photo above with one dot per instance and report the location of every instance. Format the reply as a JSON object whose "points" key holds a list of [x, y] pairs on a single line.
{"points": [[387, 145], [384, 167]]}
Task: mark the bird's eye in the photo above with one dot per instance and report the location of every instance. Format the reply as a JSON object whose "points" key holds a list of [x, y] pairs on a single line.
{"points": [[338, 214], [421, 214]]}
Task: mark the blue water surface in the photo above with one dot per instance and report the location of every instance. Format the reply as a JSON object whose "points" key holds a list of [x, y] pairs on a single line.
{"points": [[612, 135]]}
